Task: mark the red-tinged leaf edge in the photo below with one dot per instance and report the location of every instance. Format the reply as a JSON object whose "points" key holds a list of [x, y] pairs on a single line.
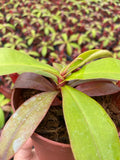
{"points": [[33, 81]]}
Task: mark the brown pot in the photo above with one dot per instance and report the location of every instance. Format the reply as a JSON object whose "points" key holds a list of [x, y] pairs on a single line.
{"points": [[45, 149], [50, 150]]}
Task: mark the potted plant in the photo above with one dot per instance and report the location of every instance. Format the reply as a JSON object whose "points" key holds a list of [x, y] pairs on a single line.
{"points": [[92, 133]]}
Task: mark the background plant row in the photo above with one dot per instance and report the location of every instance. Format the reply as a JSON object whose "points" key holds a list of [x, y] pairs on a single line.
{"points": [[56, 30]]}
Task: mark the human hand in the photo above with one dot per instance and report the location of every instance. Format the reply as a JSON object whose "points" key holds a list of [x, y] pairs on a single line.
{"points": [[27, 152]]}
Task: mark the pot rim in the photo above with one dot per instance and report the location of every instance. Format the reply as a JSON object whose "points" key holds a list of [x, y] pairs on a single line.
{"points": [[51, 141]]}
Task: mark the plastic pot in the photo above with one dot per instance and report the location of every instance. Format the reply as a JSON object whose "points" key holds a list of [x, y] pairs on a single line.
{"points": [[45, 149], [49, 150]]}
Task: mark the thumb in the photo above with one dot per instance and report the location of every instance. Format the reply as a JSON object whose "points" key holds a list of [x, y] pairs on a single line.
{"points": [[26, 152]]}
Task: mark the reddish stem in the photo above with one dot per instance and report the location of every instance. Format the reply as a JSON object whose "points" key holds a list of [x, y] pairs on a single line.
{"points": [[5, 91]]}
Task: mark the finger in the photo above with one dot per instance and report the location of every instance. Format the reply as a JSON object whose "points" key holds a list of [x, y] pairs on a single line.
{"points": [[25, 153]]}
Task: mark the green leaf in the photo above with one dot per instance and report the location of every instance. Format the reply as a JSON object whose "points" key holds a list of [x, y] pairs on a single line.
{"points": [[30, 41], [87, 57], [93, 33], [33, 32], [34, 53], [8, 17], [81, 39], [94, 54], [10, 26], [46, 30], [107, 68], [23, 45], [60, 26], [92, 133], [2, 118], [51, 48], [65, 37], [23, 123], [8, 45], [12, 61], [5, 101], [1, 98], [44, 51], [75, 45], [58, 66], [115, 19], [1, 15], [18, 41], [74, 20], [69, 49], [51, 29], [73, 37], [1, 26], [58, 42]]}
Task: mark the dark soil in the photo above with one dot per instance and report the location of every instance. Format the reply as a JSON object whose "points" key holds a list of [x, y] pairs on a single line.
{"points": [[53, 125], [107, 102]]}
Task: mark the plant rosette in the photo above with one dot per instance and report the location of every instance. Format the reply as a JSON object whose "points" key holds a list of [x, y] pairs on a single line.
{"points": [[91, 131]]}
